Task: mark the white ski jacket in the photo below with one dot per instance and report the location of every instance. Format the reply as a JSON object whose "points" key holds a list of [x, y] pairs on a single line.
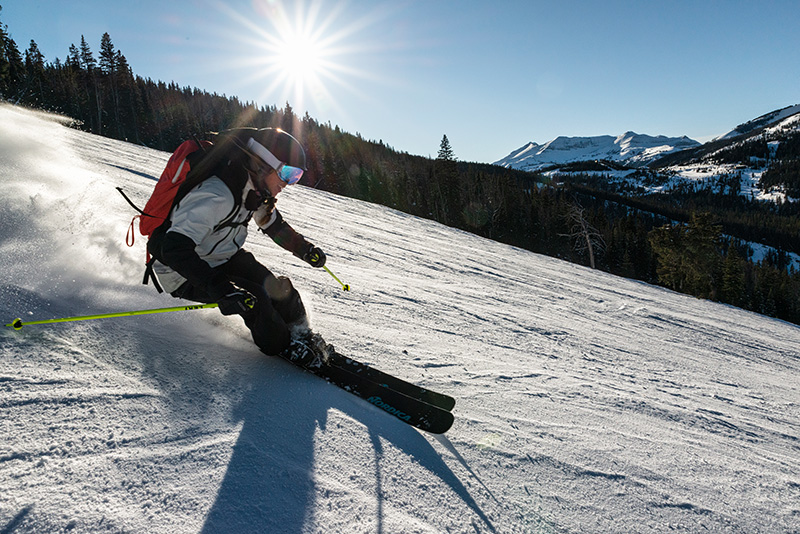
{"points": [[198, 216]]}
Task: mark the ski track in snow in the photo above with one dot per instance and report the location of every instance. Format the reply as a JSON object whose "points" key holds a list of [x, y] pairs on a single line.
{"points": [[585, 402]]}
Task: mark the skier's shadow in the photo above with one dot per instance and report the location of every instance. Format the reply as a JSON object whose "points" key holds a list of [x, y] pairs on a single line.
{"points": [[269, 485]]}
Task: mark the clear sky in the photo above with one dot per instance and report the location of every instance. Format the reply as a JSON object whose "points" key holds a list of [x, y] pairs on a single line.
{"points": [[491, 75]]}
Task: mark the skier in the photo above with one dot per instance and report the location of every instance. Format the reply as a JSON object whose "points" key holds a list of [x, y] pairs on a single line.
{"points": [[198, 252]]}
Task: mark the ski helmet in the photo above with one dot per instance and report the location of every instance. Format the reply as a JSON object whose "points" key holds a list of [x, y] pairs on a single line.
{"points": [[282, 145]]}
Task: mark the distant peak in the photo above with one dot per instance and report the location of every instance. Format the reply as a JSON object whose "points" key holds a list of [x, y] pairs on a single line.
{"points": [[629, 148]]}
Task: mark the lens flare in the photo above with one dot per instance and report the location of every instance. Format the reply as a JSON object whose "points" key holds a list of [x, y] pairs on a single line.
{"points": [[296, 54]]}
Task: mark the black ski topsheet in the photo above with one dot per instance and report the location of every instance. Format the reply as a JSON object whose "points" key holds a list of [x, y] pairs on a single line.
{"points": [[410, 410], [440, 400]]}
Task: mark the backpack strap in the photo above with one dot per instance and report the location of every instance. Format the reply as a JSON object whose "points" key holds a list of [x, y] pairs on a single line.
{"points": [[227, 222], [134, 206], [149, 274], [235, 177]]}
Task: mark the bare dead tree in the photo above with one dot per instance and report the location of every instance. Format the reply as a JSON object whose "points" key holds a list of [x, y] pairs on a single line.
{"points": [[586, 237]]}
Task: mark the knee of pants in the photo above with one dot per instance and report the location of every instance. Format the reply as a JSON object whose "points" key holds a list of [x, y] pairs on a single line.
{"points": [[290, 307], [279, 288]]}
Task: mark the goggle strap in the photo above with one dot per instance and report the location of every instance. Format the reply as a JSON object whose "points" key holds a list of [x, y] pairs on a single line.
{"points": [[261, 151]]}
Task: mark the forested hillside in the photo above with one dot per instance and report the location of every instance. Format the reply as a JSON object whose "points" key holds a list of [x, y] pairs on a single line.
{"points": [[694, 241]]}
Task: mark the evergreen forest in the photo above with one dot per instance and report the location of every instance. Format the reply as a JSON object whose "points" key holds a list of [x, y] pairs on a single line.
{"points": [[694, 241]]}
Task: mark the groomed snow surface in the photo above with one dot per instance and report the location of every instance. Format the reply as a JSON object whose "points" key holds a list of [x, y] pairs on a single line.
{"points": [[586, 402]]}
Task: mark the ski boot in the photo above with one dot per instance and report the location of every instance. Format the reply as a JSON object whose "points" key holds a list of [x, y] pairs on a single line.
{"points": [[308, 350]]}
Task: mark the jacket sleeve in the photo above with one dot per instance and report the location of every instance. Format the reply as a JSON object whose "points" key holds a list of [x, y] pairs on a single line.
{"points": [[284, 235]]}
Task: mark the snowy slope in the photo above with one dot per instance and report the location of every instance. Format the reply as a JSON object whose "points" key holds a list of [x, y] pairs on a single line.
{"points": [[767, 119], [586, 402], [629, 148]]}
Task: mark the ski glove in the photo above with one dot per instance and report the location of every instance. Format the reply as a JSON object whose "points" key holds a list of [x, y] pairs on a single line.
{"points": [[232, 299], [314, 256]]}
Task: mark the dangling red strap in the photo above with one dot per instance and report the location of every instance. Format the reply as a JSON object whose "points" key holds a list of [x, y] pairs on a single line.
{"points": [[130, 237]]}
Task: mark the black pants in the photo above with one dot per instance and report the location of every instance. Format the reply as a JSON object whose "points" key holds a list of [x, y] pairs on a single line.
{"points": [[279, 306]]}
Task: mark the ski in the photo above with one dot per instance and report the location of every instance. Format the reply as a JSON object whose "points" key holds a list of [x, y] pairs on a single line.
{"points": [[440, 400], [410, 410]]}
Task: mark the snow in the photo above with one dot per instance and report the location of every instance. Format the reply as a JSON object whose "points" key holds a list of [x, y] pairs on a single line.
{"points": [[705, 173], [789, 123], [775, 117], [586, 402]]}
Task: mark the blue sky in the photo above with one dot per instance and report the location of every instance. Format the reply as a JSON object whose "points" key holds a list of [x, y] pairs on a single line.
{"points": [[490, 75]]}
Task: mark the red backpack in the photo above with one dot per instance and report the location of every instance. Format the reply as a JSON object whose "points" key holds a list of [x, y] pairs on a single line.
{"points": [[164, 195], [172, 186], [161, 201]]}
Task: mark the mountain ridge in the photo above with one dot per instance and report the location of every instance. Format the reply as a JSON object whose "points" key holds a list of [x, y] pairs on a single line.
{"points": [[763, 121], [630, 148]]}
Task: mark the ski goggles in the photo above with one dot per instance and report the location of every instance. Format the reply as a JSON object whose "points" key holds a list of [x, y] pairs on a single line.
{"points": [[287, 173]]}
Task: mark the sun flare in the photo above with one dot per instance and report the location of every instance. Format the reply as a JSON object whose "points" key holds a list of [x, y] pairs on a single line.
{"points": [[299, 52], [299, 58], [299, 55]]}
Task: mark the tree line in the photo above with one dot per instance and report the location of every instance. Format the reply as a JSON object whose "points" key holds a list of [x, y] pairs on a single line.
{"points": [[657, 240]]}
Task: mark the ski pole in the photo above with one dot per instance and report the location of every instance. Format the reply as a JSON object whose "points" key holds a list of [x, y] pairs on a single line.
{"points": [[17, 324], [345, 287]]}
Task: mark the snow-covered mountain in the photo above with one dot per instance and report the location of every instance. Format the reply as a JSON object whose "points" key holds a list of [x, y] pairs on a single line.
{"points": [[585, 402], [763, 121], [629, 148], [748, 152], [674, 163]]}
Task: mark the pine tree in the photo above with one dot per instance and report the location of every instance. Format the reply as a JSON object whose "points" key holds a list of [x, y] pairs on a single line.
{"points": [[129, 99], [445, 150], [73, 58], [288, 120], [88, 62], [689, 255], [91, 84], [108, 70], [703, 255], [733, 277], [447, 190], [34, 75], [4, 64], [107, 55], [12, 67]]}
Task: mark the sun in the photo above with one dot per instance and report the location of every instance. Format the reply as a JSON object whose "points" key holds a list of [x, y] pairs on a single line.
{"points": [[299, 58], [297, 51]]}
